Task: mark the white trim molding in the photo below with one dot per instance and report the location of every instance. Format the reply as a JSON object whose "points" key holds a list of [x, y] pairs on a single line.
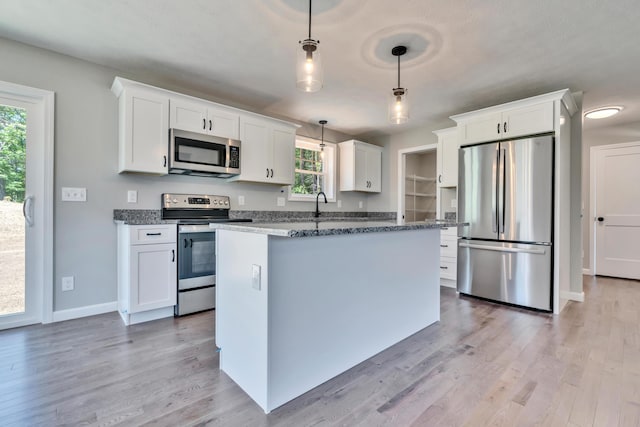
{"points": [[587, 272], [89, 310], [573, 296]]}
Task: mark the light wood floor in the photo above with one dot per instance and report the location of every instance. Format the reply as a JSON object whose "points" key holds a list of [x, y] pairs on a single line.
{"points": [[482, 364]]}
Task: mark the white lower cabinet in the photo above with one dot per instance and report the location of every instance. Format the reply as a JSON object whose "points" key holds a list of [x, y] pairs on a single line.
{"points": [[448, 256], [147, 272]]}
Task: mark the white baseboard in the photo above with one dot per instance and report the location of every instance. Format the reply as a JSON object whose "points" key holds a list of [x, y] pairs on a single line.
{"points": [[448, 283], [572, 296], [89, 310], [587, 271]]}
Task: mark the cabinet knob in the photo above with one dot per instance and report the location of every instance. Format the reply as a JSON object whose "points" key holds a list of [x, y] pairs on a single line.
{"points": [[600, 219]]}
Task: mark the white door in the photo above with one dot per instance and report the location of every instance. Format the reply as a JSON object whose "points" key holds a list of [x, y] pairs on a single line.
{"points": [[617, 211], [25, 207]]}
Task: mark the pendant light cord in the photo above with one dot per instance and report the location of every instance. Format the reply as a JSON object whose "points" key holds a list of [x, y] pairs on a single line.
{"points": [[398, 70], [309, 18]]}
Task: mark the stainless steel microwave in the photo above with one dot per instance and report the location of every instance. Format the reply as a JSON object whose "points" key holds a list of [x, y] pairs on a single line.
{"points": [[192, 153]]}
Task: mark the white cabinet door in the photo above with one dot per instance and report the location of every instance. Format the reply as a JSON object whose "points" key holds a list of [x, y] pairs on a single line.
{"points": [[374, 170], [144, 131], [528, 120], [153, 276], [223, 123], [256, 150], [188, 115], [284, 140], [203, 118], [447, 157], [480, 128], [361, 177]]}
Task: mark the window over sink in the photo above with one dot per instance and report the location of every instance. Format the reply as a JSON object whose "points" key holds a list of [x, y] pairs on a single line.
{"points": [[315, 170]]}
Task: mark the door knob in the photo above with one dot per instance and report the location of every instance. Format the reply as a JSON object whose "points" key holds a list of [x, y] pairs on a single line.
{"points": [[600, 219]]}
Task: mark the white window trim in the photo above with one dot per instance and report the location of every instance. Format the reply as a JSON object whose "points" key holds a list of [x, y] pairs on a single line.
{"points": [[331, 150]]}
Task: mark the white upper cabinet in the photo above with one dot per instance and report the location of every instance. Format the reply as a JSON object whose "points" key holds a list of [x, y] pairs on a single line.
{"points": [[447, 163], [202, 117], [527, 117], [360, 167], [143, 129], [267, 151]]}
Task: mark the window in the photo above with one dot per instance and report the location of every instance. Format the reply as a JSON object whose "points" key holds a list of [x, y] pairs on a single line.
{"points": [[314, 170]]}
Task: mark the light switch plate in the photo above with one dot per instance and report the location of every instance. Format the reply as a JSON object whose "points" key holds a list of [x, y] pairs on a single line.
{"points": [[132, 196], [255, 277], [280, 201], [70, 194], [454, 203], [339, 204], [360, 204], [240, 200]]}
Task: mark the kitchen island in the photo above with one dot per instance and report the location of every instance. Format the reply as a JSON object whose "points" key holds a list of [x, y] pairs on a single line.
{"points": [[299, 303]]}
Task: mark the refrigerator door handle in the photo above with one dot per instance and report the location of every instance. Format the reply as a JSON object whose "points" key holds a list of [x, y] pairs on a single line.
{"points": [[502, 173], [537, 251], [494, 192]]}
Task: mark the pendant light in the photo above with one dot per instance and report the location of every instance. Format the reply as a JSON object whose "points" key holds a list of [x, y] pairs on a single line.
{"points": [[398, 103], [309, 63], [322, 144]]}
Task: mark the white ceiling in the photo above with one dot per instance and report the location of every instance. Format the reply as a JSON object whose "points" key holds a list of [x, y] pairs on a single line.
{"points": [[463, 54]]}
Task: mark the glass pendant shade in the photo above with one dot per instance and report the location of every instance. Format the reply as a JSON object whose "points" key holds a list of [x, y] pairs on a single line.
{"points": [[398, 106], [309, 66]]}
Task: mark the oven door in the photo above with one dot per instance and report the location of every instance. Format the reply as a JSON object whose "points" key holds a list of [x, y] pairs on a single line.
{"points": [[196, 260]]}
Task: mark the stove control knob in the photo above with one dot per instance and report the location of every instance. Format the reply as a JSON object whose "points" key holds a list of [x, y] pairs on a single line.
{"points": [[215, 202], [226, 202], [174, 201]]}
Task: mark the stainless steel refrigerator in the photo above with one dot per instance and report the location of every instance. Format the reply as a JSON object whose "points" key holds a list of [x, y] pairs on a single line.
{"points": [[505, 193]]}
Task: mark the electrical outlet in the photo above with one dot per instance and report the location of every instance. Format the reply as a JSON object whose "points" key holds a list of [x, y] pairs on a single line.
{"points": [[360, 204], [454, 203], [339, 204], [70, 194], [240, 200], [132, 196], [280, 201], [67, 283]]}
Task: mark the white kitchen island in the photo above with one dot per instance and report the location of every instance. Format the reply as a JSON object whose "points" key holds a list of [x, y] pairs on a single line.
{"points": [[299, 303]]}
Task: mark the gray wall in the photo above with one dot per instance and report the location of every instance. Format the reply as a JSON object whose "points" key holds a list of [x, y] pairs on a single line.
{"points": [[617, 134], [86, 156]]}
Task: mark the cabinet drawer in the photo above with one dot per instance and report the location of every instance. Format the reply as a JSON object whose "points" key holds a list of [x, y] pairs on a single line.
{"points": [[448, 246], [448, 268], [449, 231], [148, 234]]}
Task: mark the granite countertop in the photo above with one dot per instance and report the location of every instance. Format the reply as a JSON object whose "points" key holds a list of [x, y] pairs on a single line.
{"points": [[330, 228]]}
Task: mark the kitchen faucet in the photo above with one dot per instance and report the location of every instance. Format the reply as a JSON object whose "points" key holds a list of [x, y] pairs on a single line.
{"points": [[317, 213]]}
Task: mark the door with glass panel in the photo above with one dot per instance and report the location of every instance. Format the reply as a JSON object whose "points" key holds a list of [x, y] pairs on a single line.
{"points": [[20, 297]]}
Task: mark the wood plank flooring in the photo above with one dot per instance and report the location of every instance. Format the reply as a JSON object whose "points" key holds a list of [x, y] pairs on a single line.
{"points": [[482, 364]]}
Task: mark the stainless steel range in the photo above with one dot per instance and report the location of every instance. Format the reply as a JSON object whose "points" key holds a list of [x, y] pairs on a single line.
{"points": [[196, 246]]}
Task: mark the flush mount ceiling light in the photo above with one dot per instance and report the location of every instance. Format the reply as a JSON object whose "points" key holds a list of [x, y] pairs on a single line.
{"points": [[322, 144], [398, 103], [601, 113], [309, 63]]}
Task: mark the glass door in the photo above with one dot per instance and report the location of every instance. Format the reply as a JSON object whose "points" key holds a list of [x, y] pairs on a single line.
{"points": [[13, 138]]}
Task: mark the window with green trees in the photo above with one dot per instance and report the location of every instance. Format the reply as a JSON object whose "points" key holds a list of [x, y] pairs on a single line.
{"points": [[314, 170], [13, 139]]}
